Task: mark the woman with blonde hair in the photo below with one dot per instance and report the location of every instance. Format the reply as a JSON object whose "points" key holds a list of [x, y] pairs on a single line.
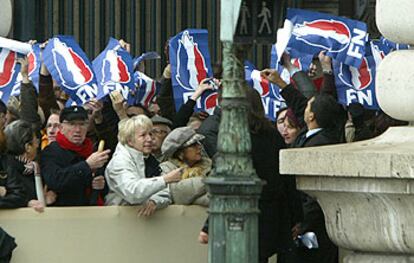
{"points": [[126, 174]]}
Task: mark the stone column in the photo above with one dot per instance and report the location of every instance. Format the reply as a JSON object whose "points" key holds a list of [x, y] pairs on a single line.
{"points": [[366, 189]]}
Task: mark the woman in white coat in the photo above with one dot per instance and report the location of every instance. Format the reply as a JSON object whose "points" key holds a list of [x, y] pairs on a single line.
{"points": [[125, 173]]}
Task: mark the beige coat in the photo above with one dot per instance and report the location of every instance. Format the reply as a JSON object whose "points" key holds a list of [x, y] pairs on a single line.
{"points": [[125, 175], [190, 190]]}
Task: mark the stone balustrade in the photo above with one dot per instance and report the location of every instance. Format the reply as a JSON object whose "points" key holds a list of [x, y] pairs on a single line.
{"points": [[366, 189]]}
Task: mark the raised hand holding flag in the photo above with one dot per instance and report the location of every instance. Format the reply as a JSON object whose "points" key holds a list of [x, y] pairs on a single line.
{"points": [[312, 32], [190, 64]]}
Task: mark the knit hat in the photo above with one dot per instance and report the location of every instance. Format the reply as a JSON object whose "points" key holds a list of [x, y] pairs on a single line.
{"points": [[179, 138]]}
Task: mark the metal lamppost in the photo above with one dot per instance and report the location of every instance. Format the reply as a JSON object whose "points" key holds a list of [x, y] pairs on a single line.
{"points": [[234, 186]]}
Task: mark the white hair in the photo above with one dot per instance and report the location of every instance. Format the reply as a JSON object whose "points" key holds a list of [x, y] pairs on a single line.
{"points": [[128, 127]]}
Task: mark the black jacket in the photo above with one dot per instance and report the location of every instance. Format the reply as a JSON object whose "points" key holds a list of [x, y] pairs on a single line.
{"points": [[313, 218], [16, 193], [322, 137], [183, 115], [210, 128], [165, 99], [7, 245], [306, 209], [66, 173], [275, 216], [16, 168]]}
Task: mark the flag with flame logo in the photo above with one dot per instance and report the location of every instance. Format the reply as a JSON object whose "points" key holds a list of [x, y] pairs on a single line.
{"points": [[34, 64], [113, 68], [311, 32], [358, 84], [271, 99], [145, 90], [190, 63], [9, 69], [71, 68]]}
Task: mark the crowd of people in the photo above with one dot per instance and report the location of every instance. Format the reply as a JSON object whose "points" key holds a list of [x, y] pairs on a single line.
{"points": [[109, 153]]}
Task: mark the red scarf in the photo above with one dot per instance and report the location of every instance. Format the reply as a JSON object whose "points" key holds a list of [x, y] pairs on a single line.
{"points": [[84, 150]]}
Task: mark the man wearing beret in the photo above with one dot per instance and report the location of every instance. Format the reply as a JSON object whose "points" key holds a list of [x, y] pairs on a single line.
{"points": [[69, 166]]}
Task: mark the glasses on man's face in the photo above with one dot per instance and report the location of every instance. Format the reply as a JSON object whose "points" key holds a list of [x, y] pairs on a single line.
{"points": [[72, 124], [158, 132]]}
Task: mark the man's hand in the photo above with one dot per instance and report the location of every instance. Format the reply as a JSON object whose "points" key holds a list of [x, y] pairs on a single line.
{"points": [[43, 69], [326, 62], [96, 107], [32, 42], [296, 231], [24, 69], [203, 86], [173, 176], [3, 191], [118, 103], [273, 76], [98, 159], [98, 182], [148, 208], [167, 72], [125, 45], [50, 196], [36, 205], [203, 237], [203, 115]]}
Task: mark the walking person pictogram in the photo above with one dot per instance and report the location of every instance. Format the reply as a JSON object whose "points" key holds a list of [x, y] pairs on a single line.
{"points": [[265, 14], [245, 14]]}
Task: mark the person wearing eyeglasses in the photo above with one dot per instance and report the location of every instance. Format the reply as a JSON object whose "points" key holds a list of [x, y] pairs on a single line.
{"points": [[160, 129], [69, 166], [182, 149], [51, 129]]}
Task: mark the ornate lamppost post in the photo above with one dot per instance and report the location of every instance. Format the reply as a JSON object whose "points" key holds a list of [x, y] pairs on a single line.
{"points": [[234, 186]]}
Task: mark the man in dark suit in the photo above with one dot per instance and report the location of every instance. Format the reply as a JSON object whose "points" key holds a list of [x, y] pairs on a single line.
{"points": [[321, 118], [324, 125]]}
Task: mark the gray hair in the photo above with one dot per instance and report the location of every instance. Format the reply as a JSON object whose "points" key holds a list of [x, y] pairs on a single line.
{"points": [[128, 127], [18, 134]]}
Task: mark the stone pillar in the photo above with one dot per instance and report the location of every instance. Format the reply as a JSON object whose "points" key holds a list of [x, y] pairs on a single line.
{"points": [[366, 189]]}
